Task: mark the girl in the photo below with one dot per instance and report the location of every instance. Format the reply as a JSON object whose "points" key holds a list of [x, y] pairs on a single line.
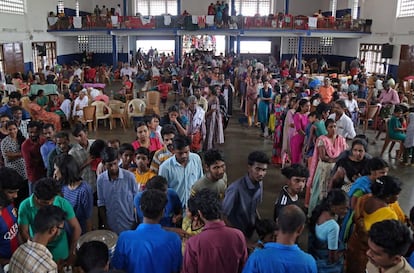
{"points": [[324, 243], [265, 96], [396, 130], [280, 113]]}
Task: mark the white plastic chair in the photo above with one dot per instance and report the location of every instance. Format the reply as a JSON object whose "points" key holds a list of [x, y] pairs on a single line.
{"points": [[100, 113]]}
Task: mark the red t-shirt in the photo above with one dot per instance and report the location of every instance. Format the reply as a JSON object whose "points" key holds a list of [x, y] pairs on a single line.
{"points": [[163, 88], [154, 144]]}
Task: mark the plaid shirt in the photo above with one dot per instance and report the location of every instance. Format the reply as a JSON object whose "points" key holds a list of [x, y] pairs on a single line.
{"points": [[32, 257], [81, 155]]}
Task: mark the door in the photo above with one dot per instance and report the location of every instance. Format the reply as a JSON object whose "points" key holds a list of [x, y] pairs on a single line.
{"points": [[13, 58]]}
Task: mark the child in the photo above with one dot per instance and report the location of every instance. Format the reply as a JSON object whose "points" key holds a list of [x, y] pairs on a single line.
{"points": [[95, 153], [310, 135], [409, 139], [192, 223], [126, 153], [114, 143], [143, 172], [395, 129], [297, 175], [267, 231]]}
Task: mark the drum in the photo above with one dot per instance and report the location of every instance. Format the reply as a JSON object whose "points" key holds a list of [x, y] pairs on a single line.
{"points": [[105, 236]]}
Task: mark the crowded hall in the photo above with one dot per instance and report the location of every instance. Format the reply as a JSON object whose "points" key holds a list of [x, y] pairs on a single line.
{"points": [[237, 136]]}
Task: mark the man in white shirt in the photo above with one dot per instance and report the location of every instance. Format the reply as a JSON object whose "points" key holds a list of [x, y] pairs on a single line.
{"points": [[352, 106], [344, 124], [80, 103], [126, 70]]}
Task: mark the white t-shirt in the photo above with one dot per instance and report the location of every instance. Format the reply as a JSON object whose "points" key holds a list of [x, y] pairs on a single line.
{"points": [[344, 126], [352, 105]]}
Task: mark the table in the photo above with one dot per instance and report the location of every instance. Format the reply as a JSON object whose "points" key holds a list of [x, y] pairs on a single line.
{"points": [[50, 89], [94, 85]]}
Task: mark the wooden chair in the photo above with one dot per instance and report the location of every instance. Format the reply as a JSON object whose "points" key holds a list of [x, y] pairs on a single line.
{"points": [[103, 112], [118, 112], [64, 83], [153, 102], [136, 108], [89, 116], [371, 112], [389, 140]]}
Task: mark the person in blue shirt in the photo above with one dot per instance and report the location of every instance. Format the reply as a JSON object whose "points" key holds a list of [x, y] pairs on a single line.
{"points": [[149, 248], [49, 145], [183, 169], [284, 255], [173, 209], [14, 100]]}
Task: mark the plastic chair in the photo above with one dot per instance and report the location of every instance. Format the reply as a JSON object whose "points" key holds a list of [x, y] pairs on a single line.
{"points": [[89, 116], [136, 108], [103, 112], [389, 140], [118, 112], [153, 102]]}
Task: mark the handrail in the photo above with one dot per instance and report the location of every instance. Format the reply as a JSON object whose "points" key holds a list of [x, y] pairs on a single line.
{"points": [[188, 22]]}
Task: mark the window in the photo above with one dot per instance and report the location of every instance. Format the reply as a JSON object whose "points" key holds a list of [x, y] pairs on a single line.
{"points": [[333, 7], [355, 9], [253, 7], [371, 55], [258, 47], [61, 7], [43, 54], [156, 7], [312, 45], [405, 8], [12, 6]]}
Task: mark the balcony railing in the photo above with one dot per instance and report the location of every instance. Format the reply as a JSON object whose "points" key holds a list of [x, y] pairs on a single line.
{"points": [[192, 23]]}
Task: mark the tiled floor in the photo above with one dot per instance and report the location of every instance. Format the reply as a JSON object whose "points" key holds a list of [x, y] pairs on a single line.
{"points": [[240, 141]]}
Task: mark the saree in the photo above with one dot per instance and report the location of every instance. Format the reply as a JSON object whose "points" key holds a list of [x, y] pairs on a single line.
{"points": [[278, 134], [214, 126], [320, 171], [358, 242], [38, 113], [287, 133]]}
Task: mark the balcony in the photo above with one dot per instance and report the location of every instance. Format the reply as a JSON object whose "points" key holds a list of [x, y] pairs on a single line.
{"points": [[272, 25]]}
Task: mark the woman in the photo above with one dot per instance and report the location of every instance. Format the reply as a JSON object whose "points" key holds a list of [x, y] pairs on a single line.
{"points": [[288, 129], [370, 209], [144, 139], [173, 118], [352, 166], [324, 242], [39, 113], [41, 99], [214, 122], [280, 113], [80, 102], [300, 122], [377, 167], [328, 148], [251, 100], [10, 149], [265, 96], [183, 106], [78, 192]]}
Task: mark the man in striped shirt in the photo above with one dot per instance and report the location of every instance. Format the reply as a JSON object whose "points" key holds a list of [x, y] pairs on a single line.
{"points": [[168, 133], [33, 256]]}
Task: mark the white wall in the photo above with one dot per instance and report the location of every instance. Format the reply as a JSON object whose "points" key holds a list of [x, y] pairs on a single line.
{"points": [[346, 47]]}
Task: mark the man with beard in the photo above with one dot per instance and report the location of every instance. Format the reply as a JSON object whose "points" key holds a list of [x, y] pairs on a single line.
{"points": [[183, 169], [49, 145], [202, 101], [33, 256], [31, 153], [116, 189], [168, 133], [215, 178]]}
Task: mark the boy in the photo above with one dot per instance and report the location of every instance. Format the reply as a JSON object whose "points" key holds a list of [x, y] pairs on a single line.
{"points": [[143, 172], [297, 175]]}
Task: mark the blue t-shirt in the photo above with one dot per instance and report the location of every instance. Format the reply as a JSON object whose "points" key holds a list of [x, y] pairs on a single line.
{"points": [[81, 200], [149, 248], [172, 208], [411, 260], [8, 232], [278, 258]]}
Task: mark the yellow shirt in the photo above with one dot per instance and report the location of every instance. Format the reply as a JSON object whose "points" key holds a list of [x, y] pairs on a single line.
{"points": [[142, 178]]}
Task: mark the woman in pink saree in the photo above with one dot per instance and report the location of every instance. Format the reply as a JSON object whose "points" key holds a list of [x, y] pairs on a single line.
{"points": [[39, 113], [300, 121], [328, 148], [288, 129]]}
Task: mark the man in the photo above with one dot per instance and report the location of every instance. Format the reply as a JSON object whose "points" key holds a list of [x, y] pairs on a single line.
{"points": [[116, 189], [344, 124], [215, 178], [228, 90], [17, 113], [80, 102], [244, 195], [202, 102], [46, 194], [183, 169], [217, 248], [284, 255], [33, 256], [168, 132], [326, 91], [93, 256], [352, 107], [149, 248], [80, 152], [388, 95], [126, 70], [63, 146], [31, 154], [49, 145], [196, 125], [14, 100], [10, 183], [388, 241]]}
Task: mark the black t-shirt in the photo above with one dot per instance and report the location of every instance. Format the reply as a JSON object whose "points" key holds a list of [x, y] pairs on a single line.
{"points": [[283, 200]]}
